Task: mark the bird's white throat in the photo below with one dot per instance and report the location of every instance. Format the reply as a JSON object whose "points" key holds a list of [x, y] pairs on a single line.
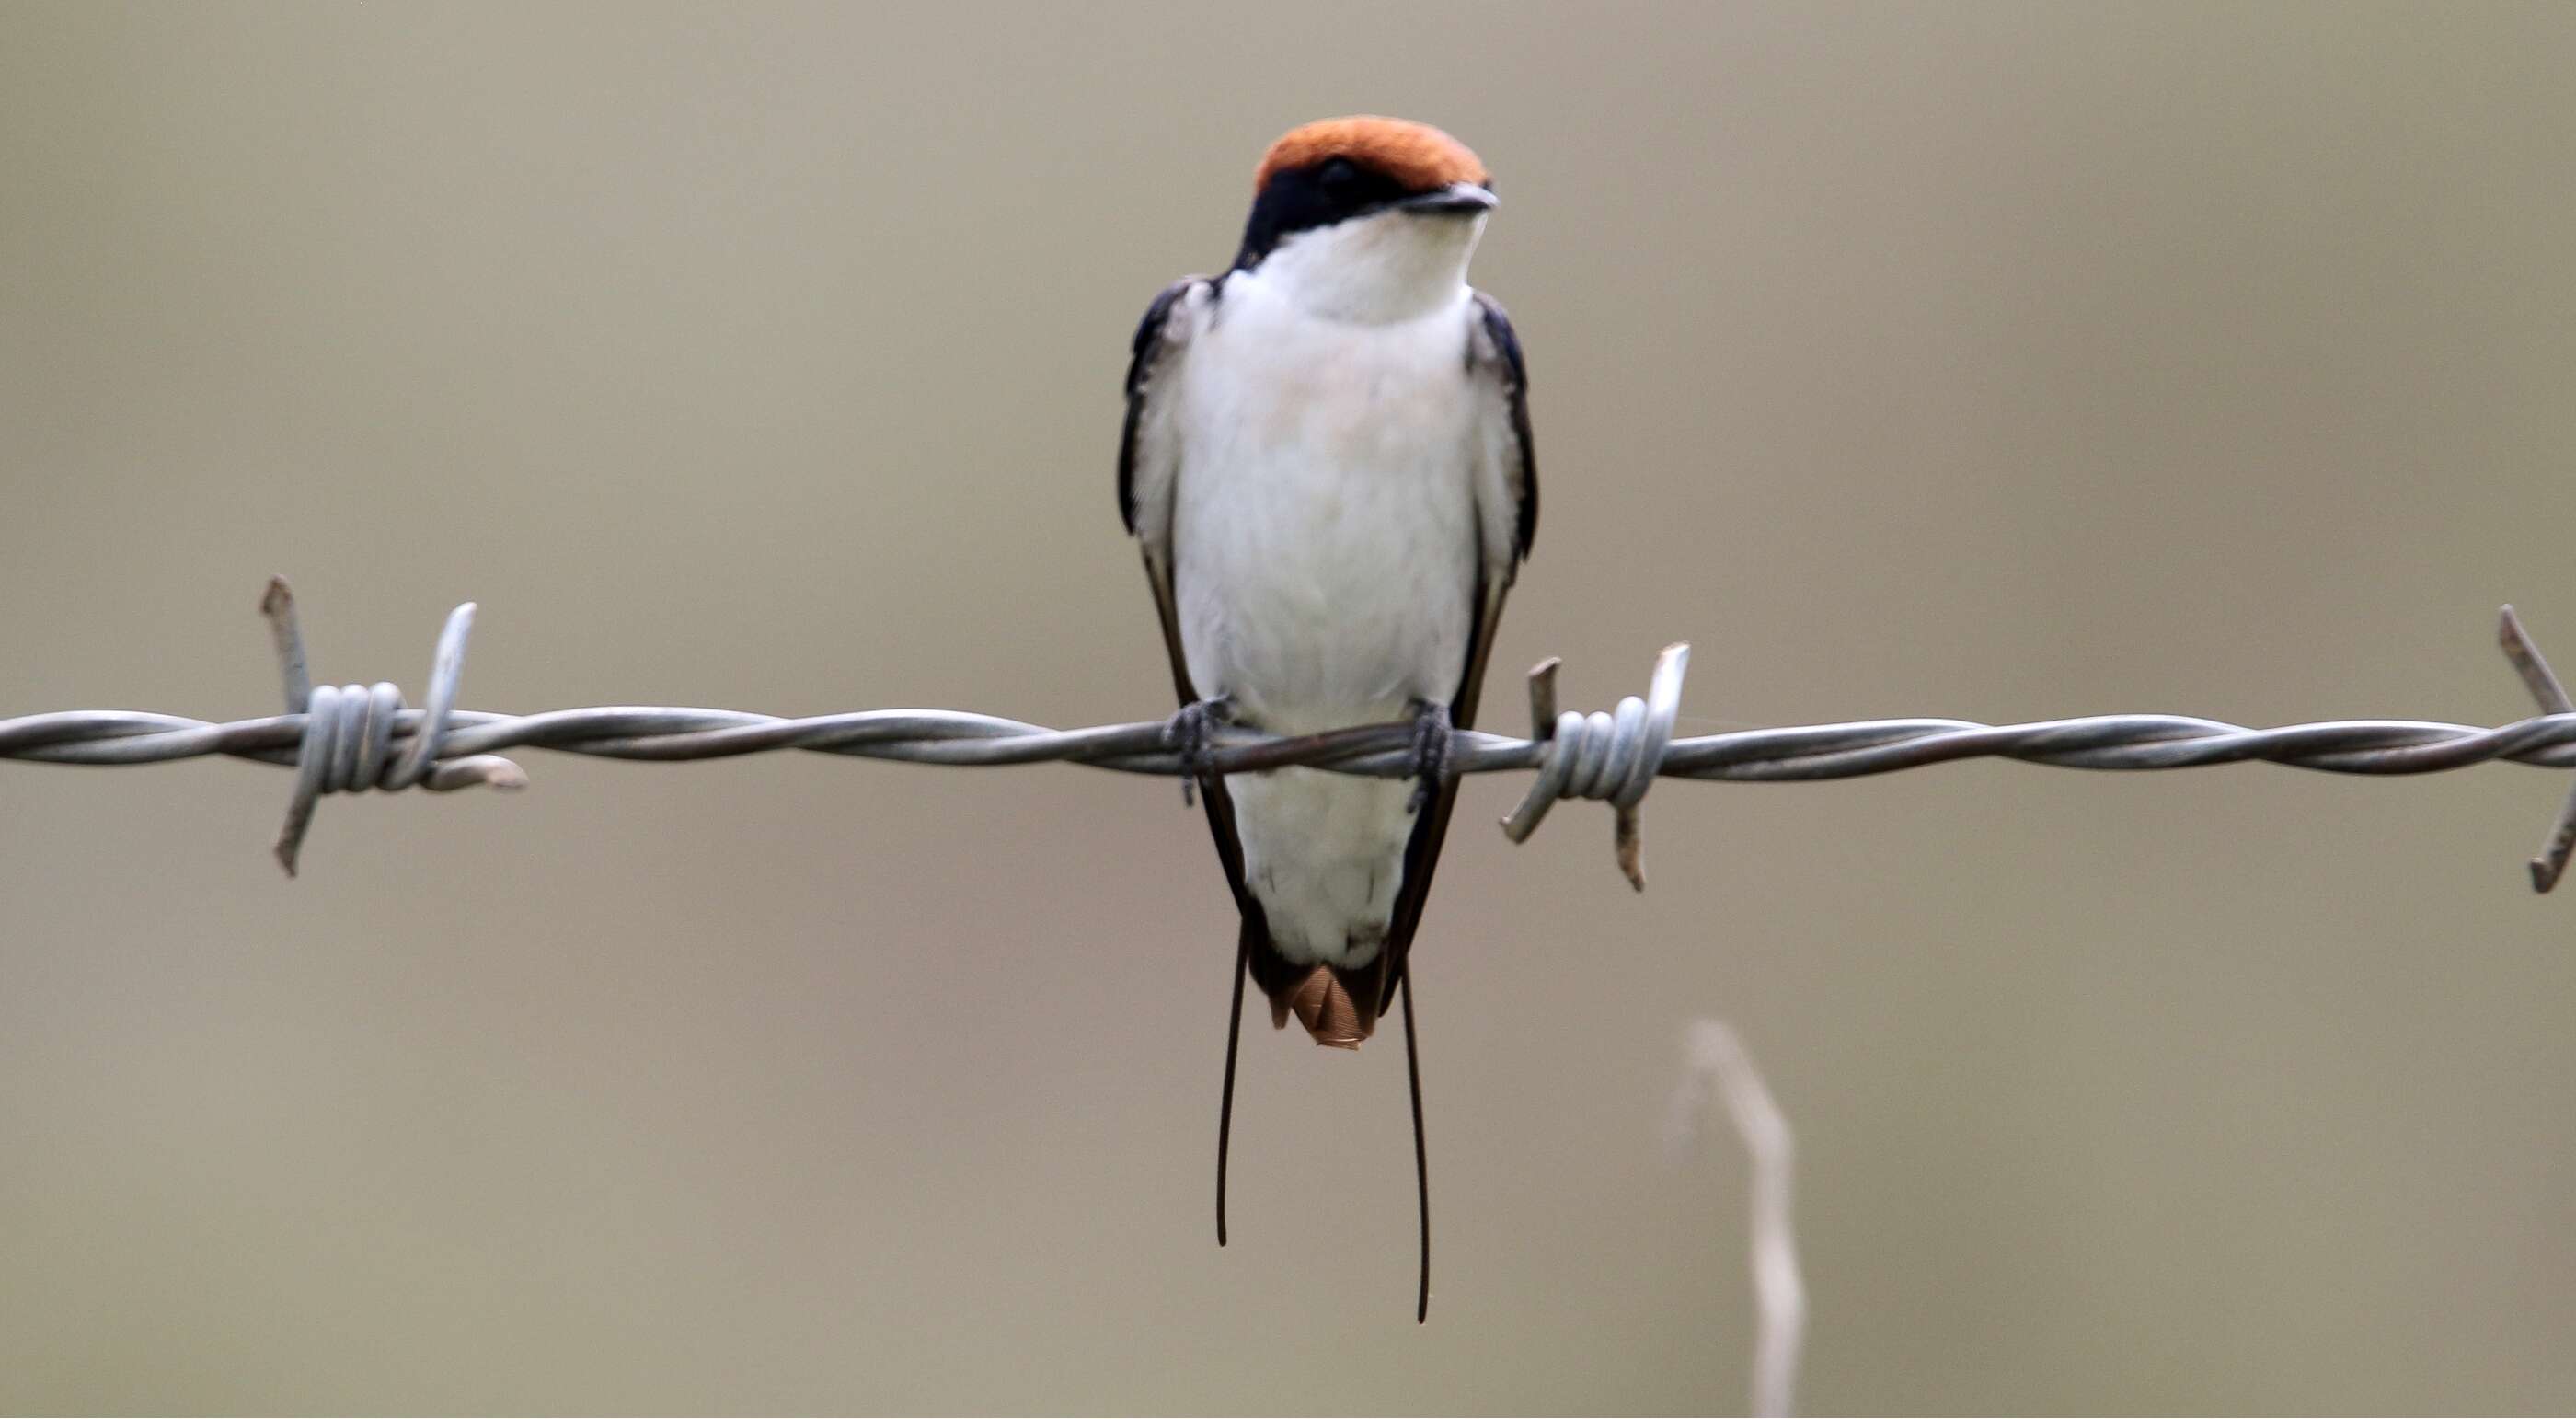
{"points": [[1387, 266]]}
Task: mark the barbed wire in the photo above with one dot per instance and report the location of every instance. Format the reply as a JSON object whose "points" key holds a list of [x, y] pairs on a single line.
{"points": [[351, 738]]}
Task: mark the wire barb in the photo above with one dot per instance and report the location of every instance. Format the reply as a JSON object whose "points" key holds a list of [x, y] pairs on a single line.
{"points": [[2552, 698], [1613, 756], [349, 730]]}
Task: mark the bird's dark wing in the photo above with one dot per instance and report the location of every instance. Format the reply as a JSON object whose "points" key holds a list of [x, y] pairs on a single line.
{"points": [[1510, 494], [1149, 459], [1149, 466], [1149, 455], [1506, 520]]}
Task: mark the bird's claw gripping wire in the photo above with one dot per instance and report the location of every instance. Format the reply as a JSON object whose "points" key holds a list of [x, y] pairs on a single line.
{"points": [[1611, 756], [1188, 734], [349, 730], [1433, 738]]}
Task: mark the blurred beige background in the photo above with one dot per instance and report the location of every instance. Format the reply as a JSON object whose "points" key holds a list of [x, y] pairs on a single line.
{"points": [[2002, 361]]}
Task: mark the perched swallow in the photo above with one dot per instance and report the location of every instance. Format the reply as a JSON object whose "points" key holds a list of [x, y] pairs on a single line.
{"points": [[1327, 460]]}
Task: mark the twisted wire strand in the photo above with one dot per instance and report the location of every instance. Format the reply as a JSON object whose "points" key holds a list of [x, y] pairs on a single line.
{"points": [[1805, 753], [349, 738]]}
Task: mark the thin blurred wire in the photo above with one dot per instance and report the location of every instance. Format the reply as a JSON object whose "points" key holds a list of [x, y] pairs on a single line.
{"points": [[344, 739], [1719, 1067]]}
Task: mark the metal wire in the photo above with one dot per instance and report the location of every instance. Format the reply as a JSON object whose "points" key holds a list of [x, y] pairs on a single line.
{"points": [[345, 739]]}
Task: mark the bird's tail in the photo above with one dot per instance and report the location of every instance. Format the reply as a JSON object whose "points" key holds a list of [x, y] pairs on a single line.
{"points": [[1338, 1005]]}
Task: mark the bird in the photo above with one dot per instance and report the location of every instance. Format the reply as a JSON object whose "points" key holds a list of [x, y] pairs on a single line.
{"points": [[1326, 462]]}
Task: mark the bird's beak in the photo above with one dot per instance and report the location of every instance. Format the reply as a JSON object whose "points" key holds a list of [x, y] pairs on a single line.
{"points": [[1458, 199]]}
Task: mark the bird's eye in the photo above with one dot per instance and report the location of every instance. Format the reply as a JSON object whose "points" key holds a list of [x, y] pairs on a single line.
{"points": [[1339, 173]]}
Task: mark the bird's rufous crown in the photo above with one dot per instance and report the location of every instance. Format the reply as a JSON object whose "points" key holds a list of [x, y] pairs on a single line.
{"points": [[1417, 155]]}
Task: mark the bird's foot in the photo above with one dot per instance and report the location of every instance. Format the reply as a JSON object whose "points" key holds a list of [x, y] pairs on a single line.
{"points": [[1432, 737], [1187, 734]]}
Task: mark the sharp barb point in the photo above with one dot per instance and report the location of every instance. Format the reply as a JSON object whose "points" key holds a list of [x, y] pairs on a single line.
{"points": [[1542, 697], [2551, 695], [1629, 838]]}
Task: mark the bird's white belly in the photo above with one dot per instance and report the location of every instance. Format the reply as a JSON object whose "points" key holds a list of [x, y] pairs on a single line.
{"points": [[1324, 546]]}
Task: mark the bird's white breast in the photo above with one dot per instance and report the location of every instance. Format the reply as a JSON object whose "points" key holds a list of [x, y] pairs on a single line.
{"points": [[1325, 559]]}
